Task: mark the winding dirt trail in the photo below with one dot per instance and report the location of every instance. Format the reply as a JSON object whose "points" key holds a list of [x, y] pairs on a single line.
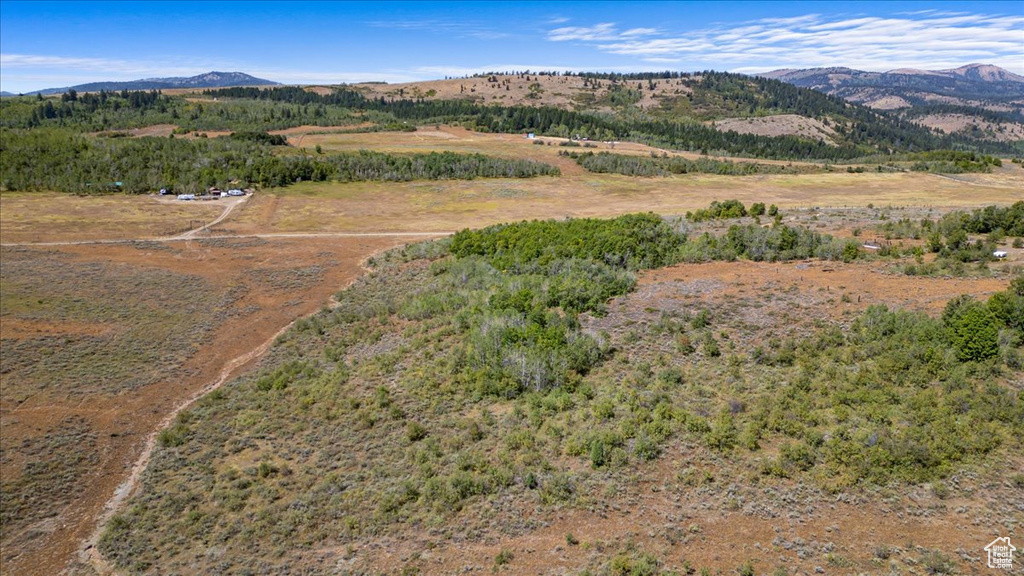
{"points": [[88, 552], [71, 547]]}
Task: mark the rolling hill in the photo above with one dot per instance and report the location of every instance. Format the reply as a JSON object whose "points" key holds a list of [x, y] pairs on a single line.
{"points": [[207, 80], [799, 103]]}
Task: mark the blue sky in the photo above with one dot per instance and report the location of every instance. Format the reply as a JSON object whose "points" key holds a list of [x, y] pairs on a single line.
{"points": [[52, 44]]}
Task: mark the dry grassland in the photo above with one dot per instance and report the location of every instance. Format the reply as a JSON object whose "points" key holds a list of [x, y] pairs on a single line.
{"points": [[46, 217], [101, 341]]}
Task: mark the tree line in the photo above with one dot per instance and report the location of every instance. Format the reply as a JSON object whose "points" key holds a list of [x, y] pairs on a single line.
{"points": [[53, 159], [606, 162]]}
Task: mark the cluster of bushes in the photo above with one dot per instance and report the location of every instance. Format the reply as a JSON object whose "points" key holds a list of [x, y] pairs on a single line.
{"points": [[606, 162], [366, 165], [953, 162], [731, 209], [633, 241], [57, 160], [1008, 221], [912, 397], [948, 237], [539, 276], [260, 137], [770, 244]]}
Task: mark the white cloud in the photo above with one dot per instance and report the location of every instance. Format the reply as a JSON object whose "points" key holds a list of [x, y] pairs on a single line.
{"points": [[454, 26], [635, 32], [923, 39], [604, 31]]}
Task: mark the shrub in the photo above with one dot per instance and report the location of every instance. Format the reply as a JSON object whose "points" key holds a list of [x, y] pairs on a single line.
{"points": [[974, 331], [503, 557], [415, 432], [597, 453]]}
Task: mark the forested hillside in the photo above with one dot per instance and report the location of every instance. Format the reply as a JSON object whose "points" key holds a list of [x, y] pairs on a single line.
{"points": [[78, 142]]}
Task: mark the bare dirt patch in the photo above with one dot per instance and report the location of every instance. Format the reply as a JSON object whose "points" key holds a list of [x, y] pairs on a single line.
{"points": [[779, 125], [822, 284]]}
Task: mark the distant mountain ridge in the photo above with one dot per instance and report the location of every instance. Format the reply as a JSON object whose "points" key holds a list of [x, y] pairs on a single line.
{"points": [[977, 101], [207, 80], [973, 84]]}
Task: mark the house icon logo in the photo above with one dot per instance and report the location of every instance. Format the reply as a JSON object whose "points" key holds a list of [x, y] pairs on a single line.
{"points": [[1000, 553]]}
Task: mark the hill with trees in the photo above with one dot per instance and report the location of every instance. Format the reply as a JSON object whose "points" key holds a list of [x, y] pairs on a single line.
{"points": [[976, 101], [207, 80]]}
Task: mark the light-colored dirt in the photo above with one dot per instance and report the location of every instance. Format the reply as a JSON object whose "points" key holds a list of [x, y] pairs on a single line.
{"points": [[229, 204], [778, 125], [864, 284]]}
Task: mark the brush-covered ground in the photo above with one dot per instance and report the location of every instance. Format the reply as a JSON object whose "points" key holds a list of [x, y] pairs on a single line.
{"points": [[100, 342], [610, 397]]}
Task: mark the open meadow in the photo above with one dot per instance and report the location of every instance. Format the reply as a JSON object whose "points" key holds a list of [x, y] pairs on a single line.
{"points": [[361, 441]]}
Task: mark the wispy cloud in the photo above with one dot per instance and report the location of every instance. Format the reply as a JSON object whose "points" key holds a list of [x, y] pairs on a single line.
{"points": [[594, 33], [451, 26], [598, 32], [924, 39], [116, 68]]}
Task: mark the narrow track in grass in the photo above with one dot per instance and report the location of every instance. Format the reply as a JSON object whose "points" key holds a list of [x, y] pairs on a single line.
{"points": [[88, 552]]}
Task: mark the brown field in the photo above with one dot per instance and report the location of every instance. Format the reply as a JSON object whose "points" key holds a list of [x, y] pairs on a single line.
{"points": [[230, 295], [39, 217], [91, 429]]}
